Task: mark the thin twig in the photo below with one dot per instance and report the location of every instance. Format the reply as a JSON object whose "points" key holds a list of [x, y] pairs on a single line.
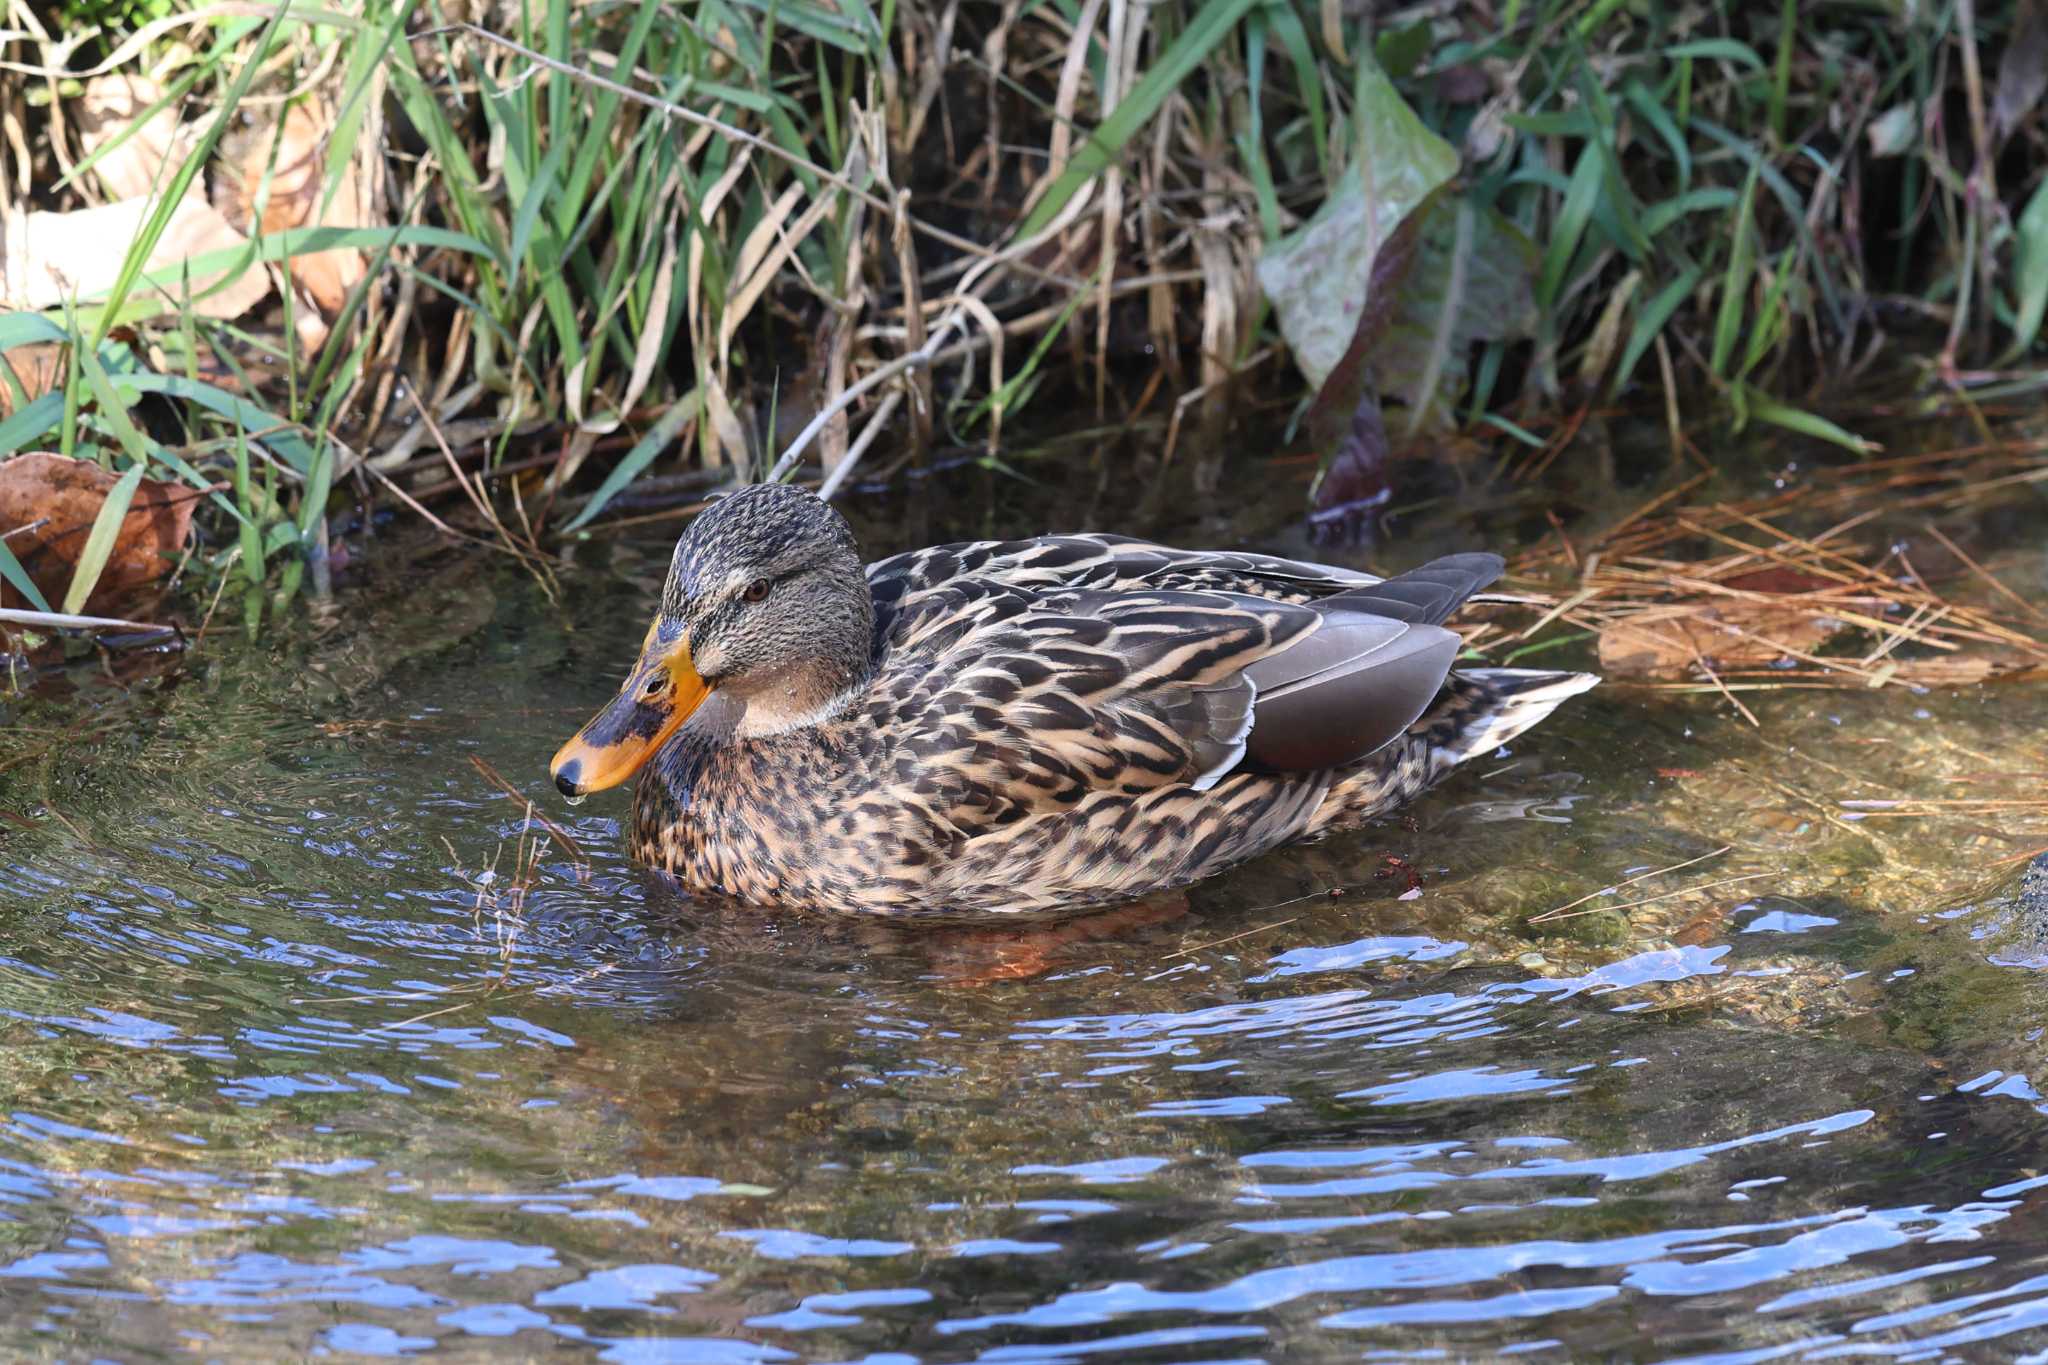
{"points": [[58, 620], [1652, 900], [880, 375], [1640, 877], [2022, 603], [533, 812], [1218, 943]]}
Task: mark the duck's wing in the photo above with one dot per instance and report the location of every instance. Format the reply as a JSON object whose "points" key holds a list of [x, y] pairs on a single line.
{"points": [[1111, 563], [1018, 700], [1001, 703]]}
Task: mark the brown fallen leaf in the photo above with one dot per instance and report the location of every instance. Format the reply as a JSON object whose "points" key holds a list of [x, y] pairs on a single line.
{"points": [[1959, 670], [49, 259], [1671, 641], [47, 507], [1778, 579], [148, 157], [298, 183], [38, 367]]}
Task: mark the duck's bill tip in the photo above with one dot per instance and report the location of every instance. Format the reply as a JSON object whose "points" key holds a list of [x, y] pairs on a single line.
{"points": [[618, 741]]}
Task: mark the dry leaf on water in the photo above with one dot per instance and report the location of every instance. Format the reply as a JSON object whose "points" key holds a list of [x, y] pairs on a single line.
{"points": [[49, 259], [1671, 641], [49, 503]]}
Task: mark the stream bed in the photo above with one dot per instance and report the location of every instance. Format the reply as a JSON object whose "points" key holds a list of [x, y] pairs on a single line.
{"points": [[313, 1044]]}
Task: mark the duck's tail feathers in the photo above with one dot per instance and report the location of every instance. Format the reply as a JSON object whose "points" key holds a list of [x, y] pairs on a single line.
{"points": [[1484, 708], [1479, 710]]}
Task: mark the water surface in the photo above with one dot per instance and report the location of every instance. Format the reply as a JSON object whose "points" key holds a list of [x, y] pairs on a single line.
{"points": [[314, 1043]]}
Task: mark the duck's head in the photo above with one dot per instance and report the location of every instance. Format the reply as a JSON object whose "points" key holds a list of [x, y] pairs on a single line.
{"points": [[766, 608]]}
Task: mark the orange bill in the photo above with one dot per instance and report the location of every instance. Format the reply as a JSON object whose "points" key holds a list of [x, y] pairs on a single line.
{"points": [[660, 694]]}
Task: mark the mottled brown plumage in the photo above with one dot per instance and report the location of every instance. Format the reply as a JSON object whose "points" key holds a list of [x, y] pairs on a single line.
{"points": [[1019, 728]]}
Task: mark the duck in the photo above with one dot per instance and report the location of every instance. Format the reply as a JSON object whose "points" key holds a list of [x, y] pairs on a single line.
{"points": [[1028, 728]]}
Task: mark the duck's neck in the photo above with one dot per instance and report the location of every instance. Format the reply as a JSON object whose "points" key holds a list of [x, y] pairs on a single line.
{"points": [[793, 698], [733, 715]]}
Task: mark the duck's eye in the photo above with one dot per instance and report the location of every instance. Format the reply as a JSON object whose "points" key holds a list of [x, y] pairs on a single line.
{"points": [[755, 591]]}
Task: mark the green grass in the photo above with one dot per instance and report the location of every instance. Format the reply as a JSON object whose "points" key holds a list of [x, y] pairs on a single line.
{"points": [[651, 231]]}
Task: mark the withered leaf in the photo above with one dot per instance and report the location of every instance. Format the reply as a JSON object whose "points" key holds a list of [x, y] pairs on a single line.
{"points": [[48, 504], [1671, 641]]}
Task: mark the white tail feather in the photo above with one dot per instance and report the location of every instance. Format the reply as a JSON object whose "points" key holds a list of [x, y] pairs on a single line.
{"points": [[1507, 701]]}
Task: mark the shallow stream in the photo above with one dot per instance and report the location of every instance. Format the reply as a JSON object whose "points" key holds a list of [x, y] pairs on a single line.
{"points": [[311, 1043]]}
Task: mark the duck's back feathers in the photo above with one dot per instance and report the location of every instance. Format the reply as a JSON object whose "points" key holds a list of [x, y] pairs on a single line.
{"points": [[1102, 562], [1196, 663], [1041, 699]]}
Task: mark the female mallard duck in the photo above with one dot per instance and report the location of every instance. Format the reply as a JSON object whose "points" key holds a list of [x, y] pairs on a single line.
{"points": [[1028, 726]]}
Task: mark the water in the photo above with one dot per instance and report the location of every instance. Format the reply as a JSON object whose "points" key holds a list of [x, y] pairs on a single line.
{"points": [[311, 1043]]}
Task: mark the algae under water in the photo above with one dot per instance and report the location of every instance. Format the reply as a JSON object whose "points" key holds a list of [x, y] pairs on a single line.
{"points": [[315, 1044]]}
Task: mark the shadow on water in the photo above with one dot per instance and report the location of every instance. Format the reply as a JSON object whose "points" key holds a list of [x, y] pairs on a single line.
{"points": [[313, 1044]]}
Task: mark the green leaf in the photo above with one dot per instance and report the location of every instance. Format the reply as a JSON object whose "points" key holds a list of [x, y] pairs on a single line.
{"points": [[1251, 138], [1717, 49], [1651, 320], [174, 192], [1568, 123], [113, 411], [1765, 408], [1616, 207], [1646, 107], [1581, 197], [99, 542], [657, 439], [1318, 277], [11, 570], [2030, 272], [1522, 434], [1735, 282], [282, 246], [252, 539], [1657, 217], [1795, 207], [1308, 77], [1208, 28], [1472, 281], [535, 197], [1400, 51], [30, 422], [1769, 323], [26, 329]]}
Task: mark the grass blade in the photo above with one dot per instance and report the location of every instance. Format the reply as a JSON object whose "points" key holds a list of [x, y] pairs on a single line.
{"points": [[1767, 409], [1735, 282], [99, 543], [1208, 28], [657, 439], [1650, 321], [31, 422], [1581, 196], [11, 570], [2030, 273]]}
